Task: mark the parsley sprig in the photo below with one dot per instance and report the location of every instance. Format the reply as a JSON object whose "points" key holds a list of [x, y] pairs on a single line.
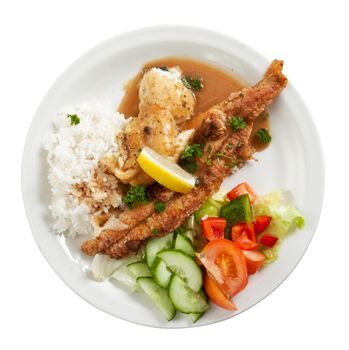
{"points": [[191, 151], [188, 156], [236, 123], [159, 207], [263, 135], [193, 83], [135, 195], [74, 119]]}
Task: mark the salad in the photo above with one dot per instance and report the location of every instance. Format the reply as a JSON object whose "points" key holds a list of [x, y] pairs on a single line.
{"points": [[211, 257]]}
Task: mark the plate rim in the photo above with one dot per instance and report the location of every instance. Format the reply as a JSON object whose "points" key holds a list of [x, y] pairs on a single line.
{"points": [[181, 29]]}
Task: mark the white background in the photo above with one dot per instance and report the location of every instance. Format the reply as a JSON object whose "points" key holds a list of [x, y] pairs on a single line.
{"points": [[39, 39]]}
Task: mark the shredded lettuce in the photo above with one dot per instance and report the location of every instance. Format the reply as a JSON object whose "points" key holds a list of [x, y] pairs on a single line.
{"points": [[124, 275], [103, 266], [284, 215]]}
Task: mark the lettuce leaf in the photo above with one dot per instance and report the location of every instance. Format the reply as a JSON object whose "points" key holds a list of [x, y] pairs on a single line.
{"points": [[220, 197], [285, 217], [103, 266], [124, 275]]}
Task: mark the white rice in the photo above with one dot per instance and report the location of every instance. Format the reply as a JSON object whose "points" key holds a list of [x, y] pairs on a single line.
{"points": [[73, 153]]}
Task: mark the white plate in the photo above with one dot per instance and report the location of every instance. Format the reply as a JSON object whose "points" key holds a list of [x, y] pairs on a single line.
{"points": [[293, 161]]}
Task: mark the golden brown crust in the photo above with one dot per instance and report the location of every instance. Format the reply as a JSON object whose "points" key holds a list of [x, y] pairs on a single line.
{"points": [[106, 238], [182, 206], [248, 103]]}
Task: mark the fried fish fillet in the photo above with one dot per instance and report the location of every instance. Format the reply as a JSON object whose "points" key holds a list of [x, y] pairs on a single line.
{"points": [[182, 206], [232, 148], [130, 218]]}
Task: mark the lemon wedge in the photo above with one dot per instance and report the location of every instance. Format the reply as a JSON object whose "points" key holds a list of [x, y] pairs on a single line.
{"points": [[165, 171]]}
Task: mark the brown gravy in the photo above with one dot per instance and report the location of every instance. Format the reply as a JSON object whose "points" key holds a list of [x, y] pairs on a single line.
{"points": [[218, 85]]}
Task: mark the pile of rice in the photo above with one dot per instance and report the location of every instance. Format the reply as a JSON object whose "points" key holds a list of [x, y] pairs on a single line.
{"points": [[73, 153]]}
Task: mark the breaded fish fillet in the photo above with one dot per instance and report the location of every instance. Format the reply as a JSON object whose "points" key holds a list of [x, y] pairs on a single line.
{"points": [[224, 148]]}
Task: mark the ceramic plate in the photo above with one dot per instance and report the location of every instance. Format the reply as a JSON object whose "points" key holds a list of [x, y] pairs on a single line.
{"points": [[293, 161]]}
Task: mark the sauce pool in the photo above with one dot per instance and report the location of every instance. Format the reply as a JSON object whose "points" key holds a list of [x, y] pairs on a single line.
{"points": [[218, 84]]}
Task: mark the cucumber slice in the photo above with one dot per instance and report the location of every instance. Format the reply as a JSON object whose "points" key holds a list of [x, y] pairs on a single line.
{"points": [[184, 244], [184, 266], [237, 211], [158, 295], [161, 273], [195, 316], [139, 269], [155, 245], [184, 298]]}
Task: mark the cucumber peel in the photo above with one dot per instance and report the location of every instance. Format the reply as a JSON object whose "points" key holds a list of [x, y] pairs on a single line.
{"points": [[161, 273], [155, 245], [158, 295], [184, 244], [184, 298], [139, 269], [184, 266]]}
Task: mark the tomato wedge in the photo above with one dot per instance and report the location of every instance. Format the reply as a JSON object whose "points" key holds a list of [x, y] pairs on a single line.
{"points": [[261, 223], [245, 243], [224, 260], [269, 240], [254, 260], [216, 294], [238, 229], [241, 189], [213, 228]]}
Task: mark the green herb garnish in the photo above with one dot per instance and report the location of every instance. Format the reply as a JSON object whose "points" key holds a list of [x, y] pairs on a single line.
{"points": [[193, 83], [219, 155], [263, 135], [237, 123], [155, 231], [135, 195], [208, 161], [159, 207], [191, 151], [188, 155], [191, 167], [74, 119]]}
